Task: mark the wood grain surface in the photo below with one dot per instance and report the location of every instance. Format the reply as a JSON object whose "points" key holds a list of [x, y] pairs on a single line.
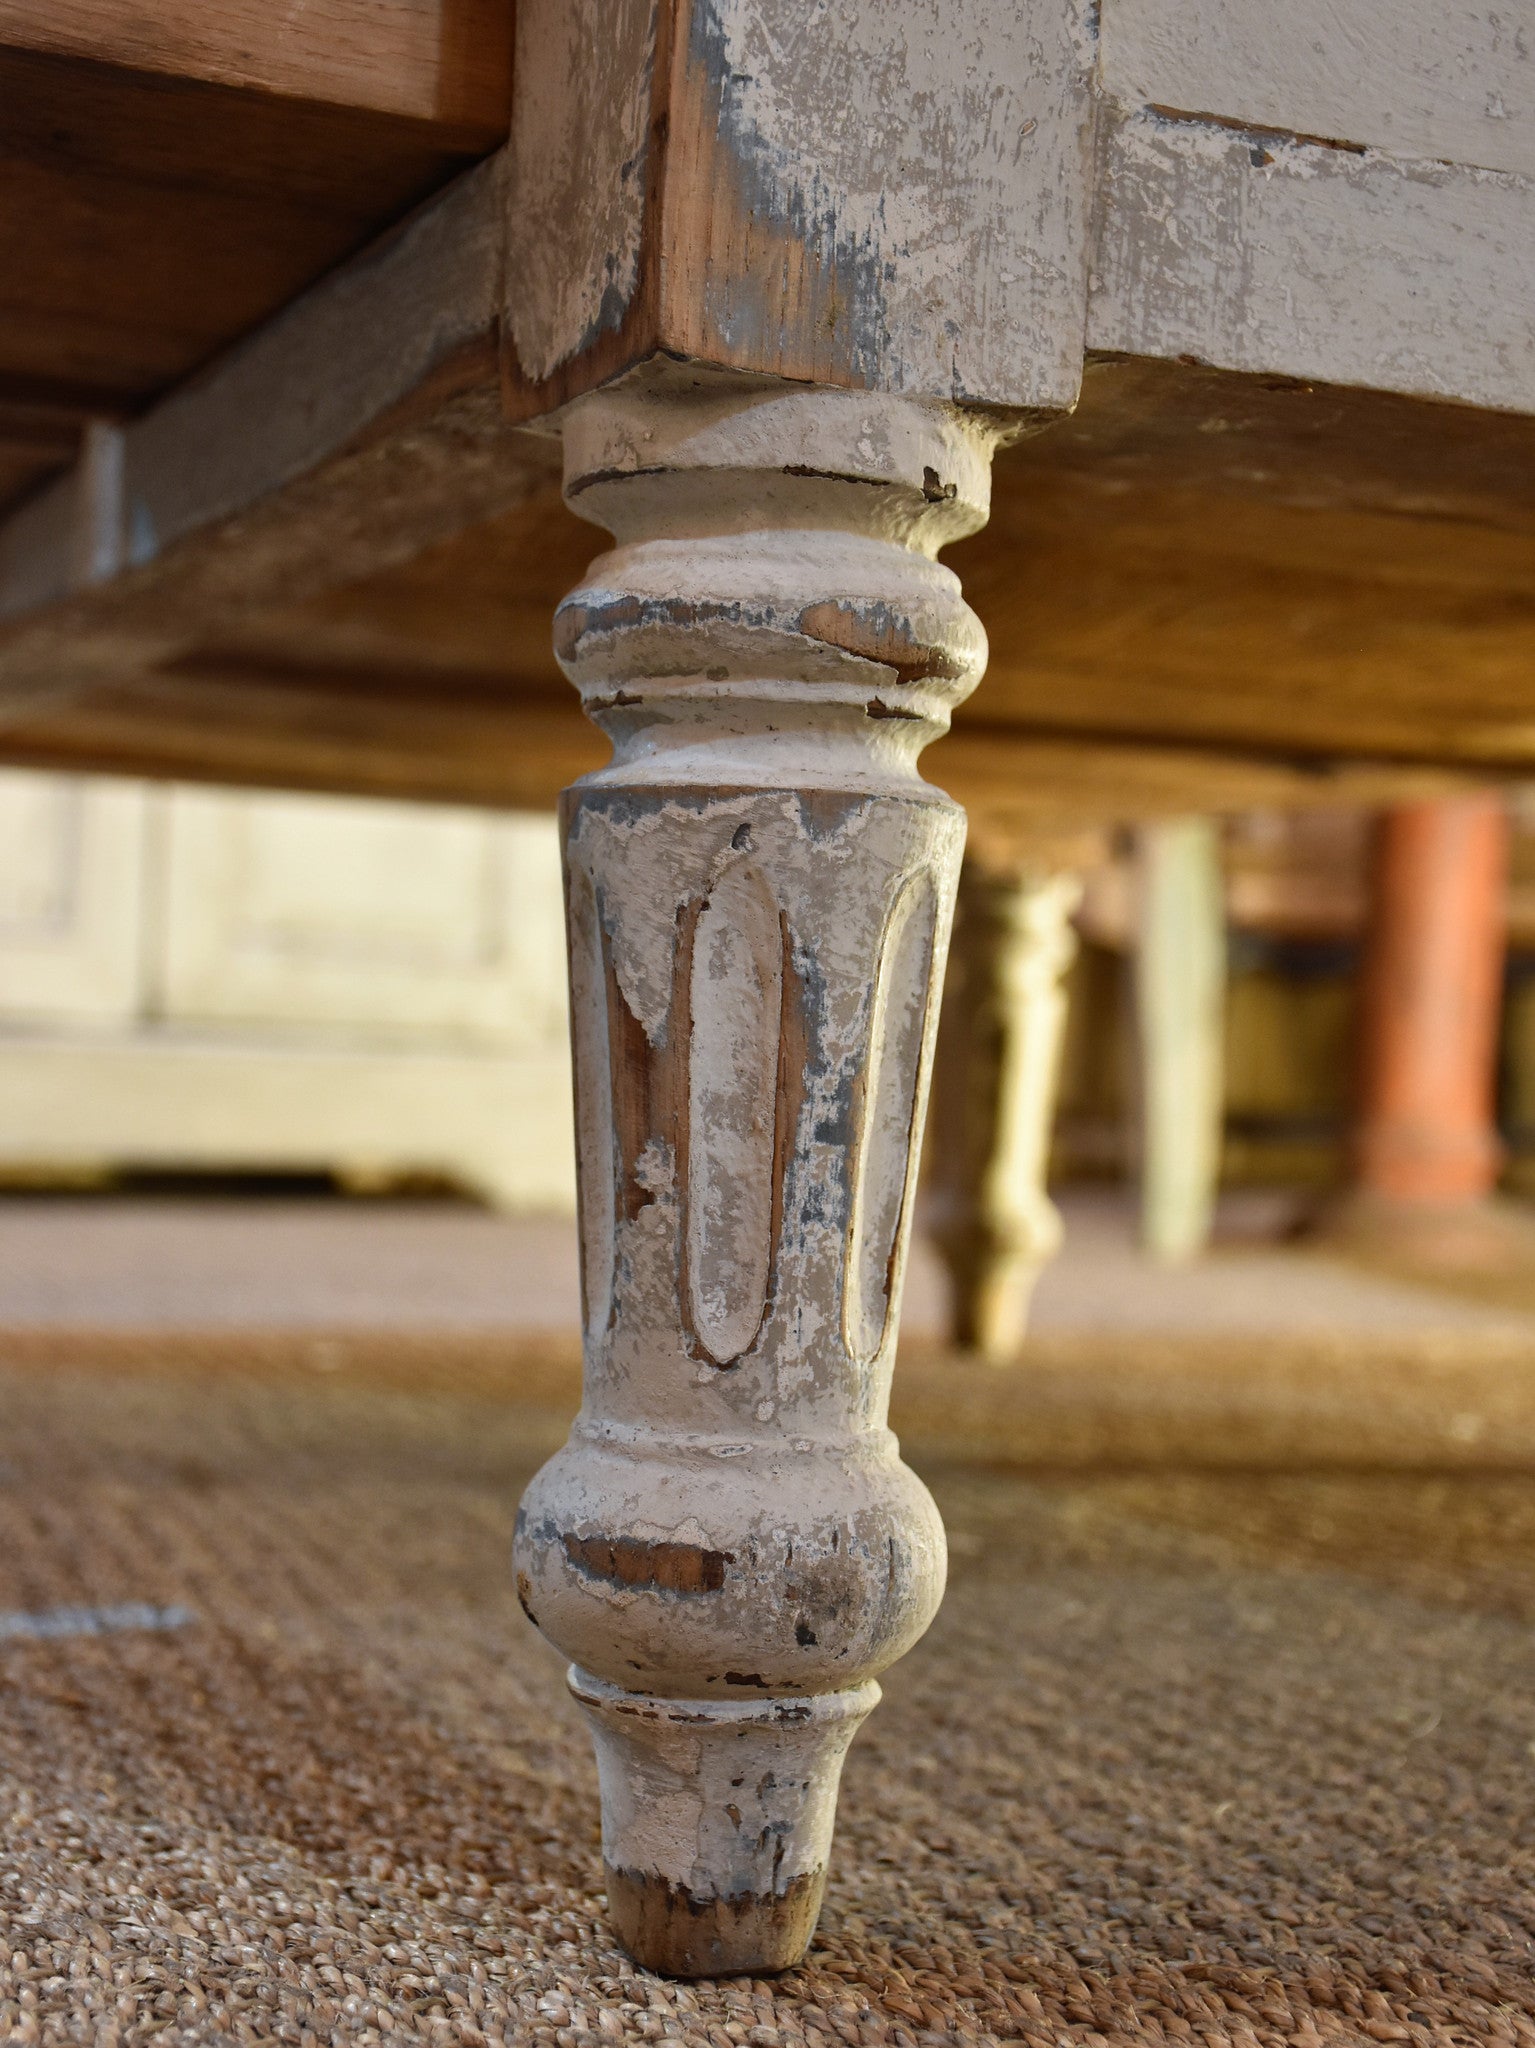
{"points": [[175, 176], [442, 61], [890, 194], [1273, 537]]}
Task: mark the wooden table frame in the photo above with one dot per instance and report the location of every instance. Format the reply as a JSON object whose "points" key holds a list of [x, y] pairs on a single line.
{"points": [[1245, 318]]}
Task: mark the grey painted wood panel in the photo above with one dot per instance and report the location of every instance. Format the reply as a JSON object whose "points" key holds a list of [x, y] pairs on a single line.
{"points": [[1452, 80], [1293, 258]]}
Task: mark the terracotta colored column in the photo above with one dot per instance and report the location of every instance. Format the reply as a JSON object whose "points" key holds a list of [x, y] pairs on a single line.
{"points": [[1430, 1000]]}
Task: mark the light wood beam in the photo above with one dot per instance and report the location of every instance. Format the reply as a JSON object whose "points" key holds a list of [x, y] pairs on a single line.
{"points": [[442, 61], [173, 177], [342, 491], [353, 433]]}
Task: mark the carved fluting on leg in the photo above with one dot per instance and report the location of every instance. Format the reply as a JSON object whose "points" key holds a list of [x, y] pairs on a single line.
{"points": [[999, 1061], [760, 885]]}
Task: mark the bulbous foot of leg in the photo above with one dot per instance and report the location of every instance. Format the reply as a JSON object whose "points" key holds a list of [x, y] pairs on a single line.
{"points": [[717, 1821]]}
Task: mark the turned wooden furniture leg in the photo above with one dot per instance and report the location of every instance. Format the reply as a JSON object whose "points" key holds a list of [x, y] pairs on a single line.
{"points": [[1430, 1004], [999, 1053], [1180, 985], [759, 895]]}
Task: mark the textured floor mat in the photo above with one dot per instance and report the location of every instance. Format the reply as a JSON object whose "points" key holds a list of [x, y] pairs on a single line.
{"points": [[1190, 1755]]}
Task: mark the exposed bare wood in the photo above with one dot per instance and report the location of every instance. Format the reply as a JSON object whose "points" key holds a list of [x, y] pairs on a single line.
{"points": [[338, 502], [1340, 635], [299, 733], [151, 218], [1369, 558], [1259, 565], [40, 434], [1300, 444], [33, 428], [783, 188], [276, 478], [431, 736], [1027, 790], [448, 62]]}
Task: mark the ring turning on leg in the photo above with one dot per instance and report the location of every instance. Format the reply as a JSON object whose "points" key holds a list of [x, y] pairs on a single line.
{"points": [[759, 890]]}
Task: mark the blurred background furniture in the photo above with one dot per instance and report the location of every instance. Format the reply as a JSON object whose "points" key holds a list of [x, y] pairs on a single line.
{"points": [[996, 1073], [206, 980], [1180, 1009]]}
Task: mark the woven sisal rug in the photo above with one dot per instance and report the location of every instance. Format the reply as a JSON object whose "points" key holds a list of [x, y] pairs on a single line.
{"points": [[1197, 1752]]}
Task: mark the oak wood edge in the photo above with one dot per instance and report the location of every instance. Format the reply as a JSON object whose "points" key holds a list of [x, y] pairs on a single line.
{"points": [[358, 426], [446, 64], [1020, 786]]}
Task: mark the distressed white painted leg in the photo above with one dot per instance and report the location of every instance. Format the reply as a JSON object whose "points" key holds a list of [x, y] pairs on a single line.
{"points": [[999, 1056], [1180, 998], [759, 895]]}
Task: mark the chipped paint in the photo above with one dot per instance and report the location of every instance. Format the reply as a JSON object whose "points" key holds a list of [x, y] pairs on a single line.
{"points": [[579, 168], [735, 1020], [760, 890], [738, 1891], [1249, 251], [891, 1085], [846, 152], [1447, 80], [667, 1567], [595, 1186], [783, 188]]}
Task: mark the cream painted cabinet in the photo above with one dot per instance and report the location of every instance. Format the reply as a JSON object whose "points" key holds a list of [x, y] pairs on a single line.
{"points": [[231, 979], [71, 898], [384, 918]]}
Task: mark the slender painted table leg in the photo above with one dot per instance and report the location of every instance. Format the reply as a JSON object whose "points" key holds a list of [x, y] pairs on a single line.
{"points": [[759, 895], [1430, 1005], [999, 1054], [1180, 986]]}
